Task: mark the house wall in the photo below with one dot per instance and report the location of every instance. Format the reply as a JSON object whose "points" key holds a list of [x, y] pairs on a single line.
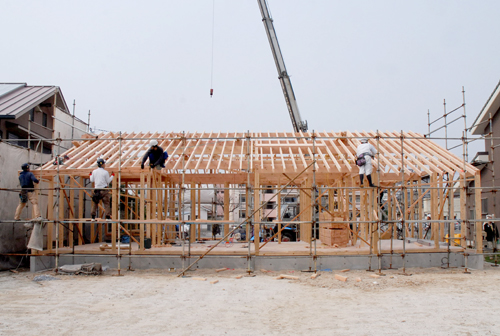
{"points": [[65, 131], [491, 171], [13, 236]]}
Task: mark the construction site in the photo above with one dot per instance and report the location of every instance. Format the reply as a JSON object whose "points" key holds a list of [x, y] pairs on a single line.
{"points": [[284, 200], [176, 213], [340, 223]]}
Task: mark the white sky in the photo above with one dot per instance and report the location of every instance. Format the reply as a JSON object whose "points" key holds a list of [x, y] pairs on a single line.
{"points": [[355, 65]]}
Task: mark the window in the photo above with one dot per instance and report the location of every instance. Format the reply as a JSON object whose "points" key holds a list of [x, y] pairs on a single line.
{"points": [[243, 198], [32, 114], [243, 214], [44, 119], [13, 136], [484, 205]]}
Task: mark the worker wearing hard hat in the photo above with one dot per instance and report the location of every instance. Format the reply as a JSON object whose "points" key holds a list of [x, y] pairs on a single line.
{"points": [[156, 156], [101, 179], [26, 179], [491, 231], [364, 153]]}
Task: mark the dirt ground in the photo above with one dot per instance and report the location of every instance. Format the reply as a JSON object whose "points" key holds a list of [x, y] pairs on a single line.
{"points": [[156, 302]]}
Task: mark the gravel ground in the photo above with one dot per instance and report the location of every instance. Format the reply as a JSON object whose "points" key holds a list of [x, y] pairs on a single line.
{"points": [[156, 302]]}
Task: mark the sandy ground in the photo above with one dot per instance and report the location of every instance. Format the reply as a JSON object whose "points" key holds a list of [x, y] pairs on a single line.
{"points": [[156, 302]]}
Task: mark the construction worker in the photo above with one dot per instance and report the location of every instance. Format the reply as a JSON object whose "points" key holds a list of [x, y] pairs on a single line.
{"points": [[26, 179], [101, 179], [491, 231], [364, 153], [156, 156]]}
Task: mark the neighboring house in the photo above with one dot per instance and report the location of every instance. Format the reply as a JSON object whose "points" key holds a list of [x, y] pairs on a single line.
{"points": [[487, 124], [28, 112]]}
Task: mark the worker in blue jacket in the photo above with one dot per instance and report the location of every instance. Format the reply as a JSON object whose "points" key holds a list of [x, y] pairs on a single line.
{"points": [[156, 156], [26, 179]]}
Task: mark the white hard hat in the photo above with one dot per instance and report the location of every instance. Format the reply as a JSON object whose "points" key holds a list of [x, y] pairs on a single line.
{"points": [[364, 140], [153, 143]]}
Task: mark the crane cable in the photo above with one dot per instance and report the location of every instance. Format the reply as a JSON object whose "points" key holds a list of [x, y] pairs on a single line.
{"points": [[212, 66]]}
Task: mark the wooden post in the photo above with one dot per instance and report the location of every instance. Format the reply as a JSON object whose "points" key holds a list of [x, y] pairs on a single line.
{"points": [[434, 209], [479, 214], [227, 204], [80, 211], [373, 227], [451, 213], [153, 207], [142, 213], [257, 215], [50, 215], [192, 227], [362, 207], [61, 213], [463, 214], [247, 212], [147, 198], [71, 226], [420, 210], [412, 212], [199, 211], [442, 200], [115, 198], [306, 216], [279, 214]]}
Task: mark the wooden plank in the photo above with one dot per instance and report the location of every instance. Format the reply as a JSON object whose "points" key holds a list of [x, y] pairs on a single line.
{"points": [[257, 215], [463, 213], [115, 197], [479, 213], [81, 212], [142, 211], [50, 215], [71, 214]]}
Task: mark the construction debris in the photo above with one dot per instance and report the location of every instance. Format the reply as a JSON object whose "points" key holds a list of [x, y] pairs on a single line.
{"points": [[200, 279], [85, 269], [213, 282], [315, 275], [340, 278], [221, 269], [285, 276]]}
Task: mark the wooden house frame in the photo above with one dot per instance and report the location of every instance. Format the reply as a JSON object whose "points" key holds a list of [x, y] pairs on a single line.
{"points": [[319, 164]]}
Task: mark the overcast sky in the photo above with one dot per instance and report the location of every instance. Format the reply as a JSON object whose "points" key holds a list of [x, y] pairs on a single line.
{"points": [[354, 65]]}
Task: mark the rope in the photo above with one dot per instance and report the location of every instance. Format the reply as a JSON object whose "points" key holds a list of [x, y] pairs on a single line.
{"points": [[212, 65]]}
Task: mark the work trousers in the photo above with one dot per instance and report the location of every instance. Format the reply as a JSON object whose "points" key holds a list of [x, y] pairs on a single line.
{"points": [[100, 194], [367, 168], [32, 197]]}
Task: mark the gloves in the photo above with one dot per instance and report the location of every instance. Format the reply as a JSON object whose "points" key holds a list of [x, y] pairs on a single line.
{"points": [[90, 174], [142, 165], [112, 174]]}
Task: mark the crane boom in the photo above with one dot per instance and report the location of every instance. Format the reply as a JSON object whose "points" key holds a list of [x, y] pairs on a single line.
{"points": [[286, 84]]}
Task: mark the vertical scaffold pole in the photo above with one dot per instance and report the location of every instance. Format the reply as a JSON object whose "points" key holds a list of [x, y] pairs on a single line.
{"points": [[403, 191], [249, 208], [58, 192], [118, 220]]}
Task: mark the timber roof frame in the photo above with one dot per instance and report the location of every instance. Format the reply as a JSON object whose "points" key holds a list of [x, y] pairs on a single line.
{"points": [[270, 153]]}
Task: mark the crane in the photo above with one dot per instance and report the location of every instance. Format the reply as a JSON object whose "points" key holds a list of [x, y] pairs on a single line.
{"points": [[286, 84]]}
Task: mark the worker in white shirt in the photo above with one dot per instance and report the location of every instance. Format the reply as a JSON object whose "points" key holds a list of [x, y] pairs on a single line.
{"points": [[364, 153], [101, 179]]}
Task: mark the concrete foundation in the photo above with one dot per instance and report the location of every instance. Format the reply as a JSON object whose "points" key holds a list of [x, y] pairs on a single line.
{"points": [[275, 263]]}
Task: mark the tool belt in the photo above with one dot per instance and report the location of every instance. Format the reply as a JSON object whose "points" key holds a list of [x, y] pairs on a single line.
{"points": [[23, 196], [97, 196]]}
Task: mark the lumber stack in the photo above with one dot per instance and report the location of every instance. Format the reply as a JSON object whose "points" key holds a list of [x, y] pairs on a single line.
{"points": [[333, 233]]}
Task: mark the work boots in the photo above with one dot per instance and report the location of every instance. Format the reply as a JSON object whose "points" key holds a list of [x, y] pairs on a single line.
{"points": [[361, 177], [369, 178]]}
